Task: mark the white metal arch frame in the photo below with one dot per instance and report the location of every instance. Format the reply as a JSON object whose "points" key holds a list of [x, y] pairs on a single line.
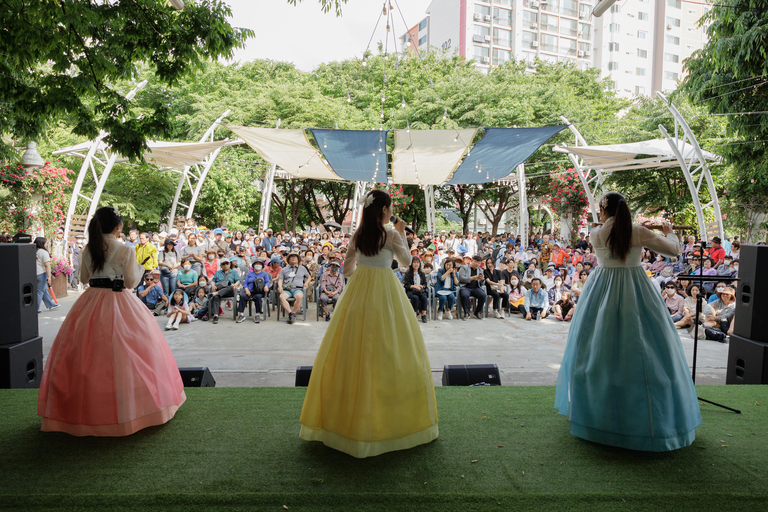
{"points": [[592, 180], [193, 173], [520, 182], [98, 154], [691, 163]]}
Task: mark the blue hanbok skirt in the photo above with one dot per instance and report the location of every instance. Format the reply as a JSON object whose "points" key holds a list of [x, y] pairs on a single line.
{"points": [[624, 380]]}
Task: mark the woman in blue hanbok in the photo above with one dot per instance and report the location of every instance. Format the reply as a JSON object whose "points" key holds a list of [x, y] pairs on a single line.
{"points": [[624, 380]]}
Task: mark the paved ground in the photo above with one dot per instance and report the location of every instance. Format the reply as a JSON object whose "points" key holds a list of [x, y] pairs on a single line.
{"points": [[246, 354]]}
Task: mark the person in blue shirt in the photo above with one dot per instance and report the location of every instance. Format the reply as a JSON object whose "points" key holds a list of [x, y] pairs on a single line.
{"points": [[152, 295], [255, 286], [536, 302], [224, 283]]}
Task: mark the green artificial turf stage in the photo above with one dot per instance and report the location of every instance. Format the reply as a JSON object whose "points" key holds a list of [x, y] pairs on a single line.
{"points": [[238, 449]]}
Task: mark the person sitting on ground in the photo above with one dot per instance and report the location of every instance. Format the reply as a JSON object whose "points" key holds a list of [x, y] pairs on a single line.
{"points": [[726, 268], [331, 286], [151, 294], [564, 307], [494, 286], [446, 287], [718, 316], [536, 302], [225, 281], [255, 287], [557, 290], [200, 305], [178, 311], [658, 264], [578, 286], [548, 281], [516, 294], [472, 279], [292, 283], [707, 270], [689, 308], [674, 301], [415, 284]]}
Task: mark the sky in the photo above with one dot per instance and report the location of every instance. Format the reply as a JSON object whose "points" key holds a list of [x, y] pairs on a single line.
{"points": [[307, 37]]}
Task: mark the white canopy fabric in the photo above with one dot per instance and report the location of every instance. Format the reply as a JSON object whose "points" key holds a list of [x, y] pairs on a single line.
{"points": [[616, 156], [436, 153], [288, 149], [174, 155]]}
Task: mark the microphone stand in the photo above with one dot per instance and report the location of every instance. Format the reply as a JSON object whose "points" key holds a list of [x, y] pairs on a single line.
{"points": [[700, 278]]}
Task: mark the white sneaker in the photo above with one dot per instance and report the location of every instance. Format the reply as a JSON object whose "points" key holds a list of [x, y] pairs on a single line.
{"points": [[439, 315], [449, 315], [501, 315], [496, 314], [169, 325]]}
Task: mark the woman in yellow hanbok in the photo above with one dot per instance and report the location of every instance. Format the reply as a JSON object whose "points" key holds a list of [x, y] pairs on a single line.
{"points": [[371, 389]]}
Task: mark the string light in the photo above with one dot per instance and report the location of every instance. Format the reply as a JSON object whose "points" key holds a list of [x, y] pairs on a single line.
{"points": [[349, 99], [445, 114]]}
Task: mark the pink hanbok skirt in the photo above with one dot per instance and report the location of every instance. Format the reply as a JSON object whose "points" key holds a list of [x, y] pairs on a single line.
{"points": [[110, 371]]}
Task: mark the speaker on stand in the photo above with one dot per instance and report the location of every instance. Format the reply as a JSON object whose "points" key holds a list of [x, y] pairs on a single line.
{"points": [[21, 349]]}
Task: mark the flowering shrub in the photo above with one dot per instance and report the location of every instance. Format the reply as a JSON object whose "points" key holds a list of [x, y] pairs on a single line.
{"points": [[60, 266], [399, 198], [17, 188], [567, 197]]}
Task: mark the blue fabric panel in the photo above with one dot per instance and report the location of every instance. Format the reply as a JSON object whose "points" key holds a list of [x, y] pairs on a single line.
{"points": [[350, 152], [501, 150]]}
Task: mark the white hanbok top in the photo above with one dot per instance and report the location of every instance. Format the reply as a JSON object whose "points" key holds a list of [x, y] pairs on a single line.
{"points": [[396, 245], [641, 237], [120, 262]]}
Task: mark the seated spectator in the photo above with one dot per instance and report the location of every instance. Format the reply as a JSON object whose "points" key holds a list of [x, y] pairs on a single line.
{"points": [[331, 286], [152, 295], [666, 275], [718, 316], [275, 267], [536, 302], [292, 283], [528, 278], [735, 250], [557, 290], [178, 311], [186, 280], [211, 265], [658, 264], [689, 308], [446, 287], [516, 294], [494, 287], [726, 269], [548, 281], [415, 284], [674, 301], [472, 280], [564, 307], [225, 281], [708, 270], [241, 260], [255, 287], [200, 304], [532, 264]]}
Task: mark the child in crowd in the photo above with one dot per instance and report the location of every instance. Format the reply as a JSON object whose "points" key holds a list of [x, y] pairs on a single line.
{"points": [[178, 311], [200, 306]]}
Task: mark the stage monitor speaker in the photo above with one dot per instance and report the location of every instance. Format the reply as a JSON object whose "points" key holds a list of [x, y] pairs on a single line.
{"points": [[18, 295], [747, 361], [302, 376], [471, 375], [21, 364], [197, 377], [751, 302]]}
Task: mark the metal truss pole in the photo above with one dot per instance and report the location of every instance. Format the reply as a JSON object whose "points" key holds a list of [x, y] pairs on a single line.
{"points": [[357, 209], [429, 201], [266, 194], [522, 199], [586, 176], [695, 160]]}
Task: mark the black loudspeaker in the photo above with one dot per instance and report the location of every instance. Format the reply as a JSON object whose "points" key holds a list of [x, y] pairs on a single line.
{"points": [[197, 377], [21, 364], [747, 361], [302, 376], [18, 295], [471, 374], [751, 302]]}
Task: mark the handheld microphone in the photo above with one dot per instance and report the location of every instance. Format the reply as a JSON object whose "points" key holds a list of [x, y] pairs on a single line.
{"points": [[393, 219]]}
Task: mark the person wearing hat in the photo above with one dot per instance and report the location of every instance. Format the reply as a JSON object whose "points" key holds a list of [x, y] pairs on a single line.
{"points": [[548, 281], [240, 260], [274, 267], [718, 323], [218, 242], [73, 253], [255, 287], [59, 245], [292, 283], [169, 263], [718, 253], [225, 281], [331, 285]]}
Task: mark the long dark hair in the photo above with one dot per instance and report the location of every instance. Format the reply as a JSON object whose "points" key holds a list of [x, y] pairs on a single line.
{"points": [[619, 239], [103, 222], [371, 236], [410, 267], [40, 244]]}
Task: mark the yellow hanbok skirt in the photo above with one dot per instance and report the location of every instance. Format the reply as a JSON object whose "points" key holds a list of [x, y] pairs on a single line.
{"points": [[371, 389]]}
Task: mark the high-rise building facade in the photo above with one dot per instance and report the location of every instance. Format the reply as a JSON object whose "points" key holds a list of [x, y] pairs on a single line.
{"points": [[639, 44]]}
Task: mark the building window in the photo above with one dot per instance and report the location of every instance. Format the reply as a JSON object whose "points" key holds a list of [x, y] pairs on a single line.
{"points": [[482, 10], [422, 40], [643, 54], [673, 22], [529, 18], [423, 25], [640, 71], [480, 52], [585, 11], [613, 47], [670, 57], [613, 27], [502, 37], [528, 39], [568, 46], [641, 34], [482, 31], [549, 43], [508, 3], [549, 23], [584, 47], [552, 6], [501, 56], [673, 40], [614, 8], [502, 16], [585, 29], [677, 4], [570, 8], [668, 75], [639, 90], [569, 27], [642, 16], [613, 66], [613, 85]]}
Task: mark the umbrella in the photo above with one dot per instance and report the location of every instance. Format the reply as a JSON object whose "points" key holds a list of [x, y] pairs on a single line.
{"points": [[334, 225]]}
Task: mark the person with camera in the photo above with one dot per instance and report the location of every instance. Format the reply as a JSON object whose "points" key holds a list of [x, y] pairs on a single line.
{"points": [[152, 295], [225, 281], [293, 282], [255, 287], [331, 285]]}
